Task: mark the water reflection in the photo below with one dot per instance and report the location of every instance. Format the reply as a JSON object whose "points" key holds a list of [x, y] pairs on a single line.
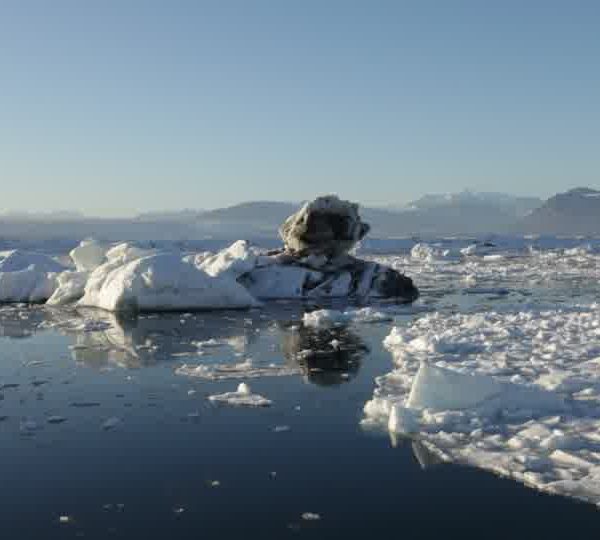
{"points": [[101, 339], [326, 356]]}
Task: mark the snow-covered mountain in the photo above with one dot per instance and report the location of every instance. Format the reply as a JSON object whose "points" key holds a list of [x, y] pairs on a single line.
{"points": [[576, 211]]}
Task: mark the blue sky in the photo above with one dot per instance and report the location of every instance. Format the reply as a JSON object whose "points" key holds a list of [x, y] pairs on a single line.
{"points": [[118, 106]]}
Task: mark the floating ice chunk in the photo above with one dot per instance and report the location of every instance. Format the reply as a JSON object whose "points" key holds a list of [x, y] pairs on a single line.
{"points": [[478, 249], [70, 288], [161, 282], [324, 318], [111, 423], [56, 419], [242, 396], [243, 370], [28, 426], [310, 516], [88, 255], [427, 253]]}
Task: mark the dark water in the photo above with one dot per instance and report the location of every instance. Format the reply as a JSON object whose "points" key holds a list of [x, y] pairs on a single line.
{"points": [[178, 466]]}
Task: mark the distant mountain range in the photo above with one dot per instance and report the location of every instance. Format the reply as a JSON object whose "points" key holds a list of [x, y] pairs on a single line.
{"points": [[465, 212], [574, 212]]}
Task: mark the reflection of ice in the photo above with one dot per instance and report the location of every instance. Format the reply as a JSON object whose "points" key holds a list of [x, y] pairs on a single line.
{"points": [[102, 338], [326, 356]]}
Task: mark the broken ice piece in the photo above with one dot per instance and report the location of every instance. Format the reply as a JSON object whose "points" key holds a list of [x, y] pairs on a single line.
{"points": [[310, 516], [56, 419], [242, 396], [111, 423]]}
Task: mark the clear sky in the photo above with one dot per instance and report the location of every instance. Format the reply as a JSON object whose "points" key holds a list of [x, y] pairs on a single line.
{"points": [[113, 107]]}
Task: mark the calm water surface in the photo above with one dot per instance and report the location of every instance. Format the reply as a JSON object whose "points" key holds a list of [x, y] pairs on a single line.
{"points": [[175, 465]]}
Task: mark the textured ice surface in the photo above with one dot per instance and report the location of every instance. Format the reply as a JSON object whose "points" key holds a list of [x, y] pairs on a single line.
{"points": [[27, 276], [28, 285], [88, 255], [70, 287], [160, 282], [242, 396], [234, 261], [515, 391]]}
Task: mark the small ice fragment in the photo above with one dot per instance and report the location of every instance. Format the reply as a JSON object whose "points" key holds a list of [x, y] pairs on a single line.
{"points": [[64, 519], [215, 483], [28, 426], [191, 392], [56, 419], [310, 516], [281, 429], [111, 423], [180, 510], [242, 396]]}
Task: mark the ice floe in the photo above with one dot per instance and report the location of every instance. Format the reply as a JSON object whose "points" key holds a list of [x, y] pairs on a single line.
{"points": [[242, 396], [514, 392]]}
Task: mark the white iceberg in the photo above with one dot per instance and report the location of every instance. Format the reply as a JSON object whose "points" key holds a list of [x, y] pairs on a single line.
{"points": [[160, 282]]}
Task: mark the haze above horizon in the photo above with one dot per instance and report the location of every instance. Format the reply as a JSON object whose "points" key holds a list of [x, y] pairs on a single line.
{"points": [[117, 108]]}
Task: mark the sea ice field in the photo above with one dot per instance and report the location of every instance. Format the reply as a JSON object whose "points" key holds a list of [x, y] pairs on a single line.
{"points": [[473, 411]]}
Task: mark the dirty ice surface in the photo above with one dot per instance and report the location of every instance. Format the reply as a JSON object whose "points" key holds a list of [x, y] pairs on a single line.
{"points": [[108, 429]]}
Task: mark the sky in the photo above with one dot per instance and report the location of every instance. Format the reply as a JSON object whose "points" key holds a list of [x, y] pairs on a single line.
{"points": [[114, 107]]}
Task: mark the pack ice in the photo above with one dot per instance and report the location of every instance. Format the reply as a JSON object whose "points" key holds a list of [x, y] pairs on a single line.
{"points": [[513, 392]]}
